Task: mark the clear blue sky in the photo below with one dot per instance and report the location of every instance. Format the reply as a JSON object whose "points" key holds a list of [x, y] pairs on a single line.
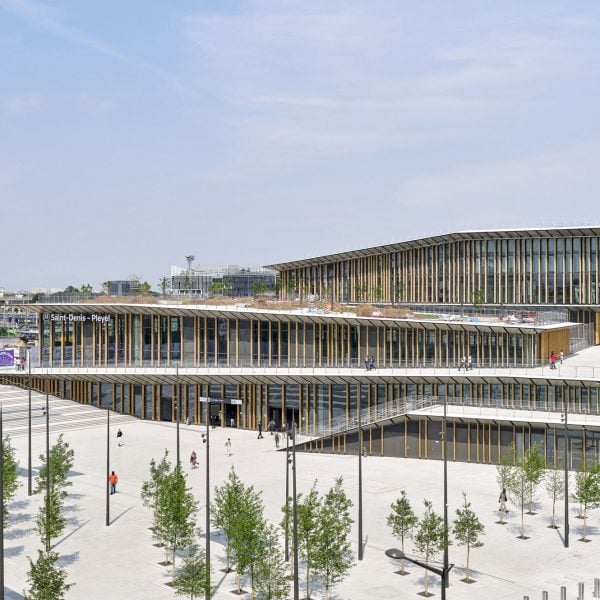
{"points": [[250, 132]]}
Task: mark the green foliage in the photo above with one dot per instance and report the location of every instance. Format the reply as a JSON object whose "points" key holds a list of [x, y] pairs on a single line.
{"points": [[62, 457], [534, 465], [308, 509], [554, 483], [270, 571], [467, 529], [86, 289], [176, 510], [227, 503], [333, 557], [71, 291], [163, 283], [50, 522], [402, 520], [587, 492], [191, 578], [478, 298], [151, 487], [505, 469], [259, 288], [145, 288], [10, 475], [518, 488], [431, 536], [47, 581]]}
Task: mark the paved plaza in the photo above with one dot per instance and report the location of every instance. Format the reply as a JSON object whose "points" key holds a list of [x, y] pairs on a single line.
{"points": [[121, 562]]}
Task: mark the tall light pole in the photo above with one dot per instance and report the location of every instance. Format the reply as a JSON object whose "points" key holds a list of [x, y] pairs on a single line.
{"points": [[360, 451], [295, 519], [445, 579], [29, 485], [206, 440], [564, 418], [107, 465], [188, 279], [287, 497], [47, 472], [177, 403], [1, 507]]}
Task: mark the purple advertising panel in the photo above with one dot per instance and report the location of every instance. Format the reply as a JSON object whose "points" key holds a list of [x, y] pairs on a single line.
{"points": [[7, 358]]}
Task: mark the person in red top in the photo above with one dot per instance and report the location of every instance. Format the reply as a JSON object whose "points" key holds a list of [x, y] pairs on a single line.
{"points": [[113, 480]]}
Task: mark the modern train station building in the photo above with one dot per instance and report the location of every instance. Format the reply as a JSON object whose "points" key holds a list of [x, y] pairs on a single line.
{"points": [[464, 322]]}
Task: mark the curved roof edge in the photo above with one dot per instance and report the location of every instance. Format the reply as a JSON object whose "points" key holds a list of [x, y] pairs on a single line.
{"points": [[487, 234]]}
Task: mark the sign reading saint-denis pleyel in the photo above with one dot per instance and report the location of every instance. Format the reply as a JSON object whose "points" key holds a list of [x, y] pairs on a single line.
{"points": [[212, 400], [72, 318]]}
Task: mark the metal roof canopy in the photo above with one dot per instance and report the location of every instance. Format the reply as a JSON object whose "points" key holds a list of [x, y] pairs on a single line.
{"points": [[510, 234], [289, 316]]}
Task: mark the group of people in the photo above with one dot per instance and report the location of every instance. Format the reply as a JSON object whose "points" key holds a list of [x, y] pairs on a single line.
{"points": [[466, 363], [554, 357], [370, 363]]}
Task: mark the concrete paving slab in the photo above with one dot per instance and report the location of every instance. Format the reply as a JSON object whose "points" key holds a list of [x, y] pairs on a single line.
{"points": [[121, 562]]}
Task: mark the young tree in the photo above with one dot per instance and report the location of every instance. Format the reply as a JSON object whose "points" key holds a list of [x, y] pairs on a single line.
{"points": [[587, 493], [308, 509], [402, 521], [145, 288], [534, 465], [430, 538], [226, 505], [554, 483], [46, 579], [190, 578], [176, 512], [518, 490], [505, 468], [246, 527], [62, 457], [333, 556], [10, 476], [270, 571], [50, 522], [86, 289], [467, 529], [151, 487]]}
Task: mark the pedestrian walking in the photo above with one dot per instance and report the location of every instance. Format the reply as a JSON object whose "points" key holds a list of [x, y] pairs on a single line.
{"points": [[367, 363], [228, 447], [232, 422], [469, 363], [193, 459], [463, 363], [561, 357], [260, 435], [553, 360], [502, 500], [113, 480], [271, 426], [277, 438], [119, 438], [372, 363]]}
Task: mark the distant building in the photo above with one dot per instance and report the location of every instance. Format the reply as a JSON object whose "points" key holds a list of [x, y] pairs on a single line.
{"points": [[122, 287], [13, 312], [221, 280]]}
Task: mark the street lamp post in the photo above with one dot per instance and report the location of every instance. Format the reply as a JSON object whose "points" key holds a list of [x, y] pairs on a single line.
{"points": [[445, 581], [287, 497], [564, 418], [107, 465], [47, 470], [1, 507], [206, 440], [29, 484], [295, 520], [360, 451], [177, 405], [443, 572]]}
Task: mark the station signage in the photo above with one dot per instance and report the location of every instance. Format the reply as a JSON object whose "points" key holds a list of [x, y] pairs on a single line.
{"points": [[73, 318]]}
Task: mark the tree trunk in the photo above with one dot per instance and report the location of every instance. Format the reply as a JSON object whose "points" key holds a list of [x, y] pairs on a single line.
{"points": [[239, 583], [530, 501], [584, 522], [468, 557], [402, 561], [426, 579], [522, 523], [173, 562], [307, 581], [553, 511]]}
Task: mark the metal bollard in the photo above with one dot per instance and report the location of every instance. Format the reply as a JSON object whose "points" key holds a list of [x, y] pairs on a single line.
{"points": [[563, 593], [544, 595], [580, 592], [596, 588]]}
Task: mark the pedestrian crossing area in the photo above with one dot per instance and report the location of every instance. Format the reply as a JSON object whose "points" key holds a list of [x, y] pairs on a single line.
{"points": [[64, 414]]}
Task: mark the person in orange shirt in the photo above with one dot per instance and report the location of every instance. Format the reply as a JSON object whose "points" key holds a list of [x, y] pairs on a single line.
{"points": [[113, 480]]}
